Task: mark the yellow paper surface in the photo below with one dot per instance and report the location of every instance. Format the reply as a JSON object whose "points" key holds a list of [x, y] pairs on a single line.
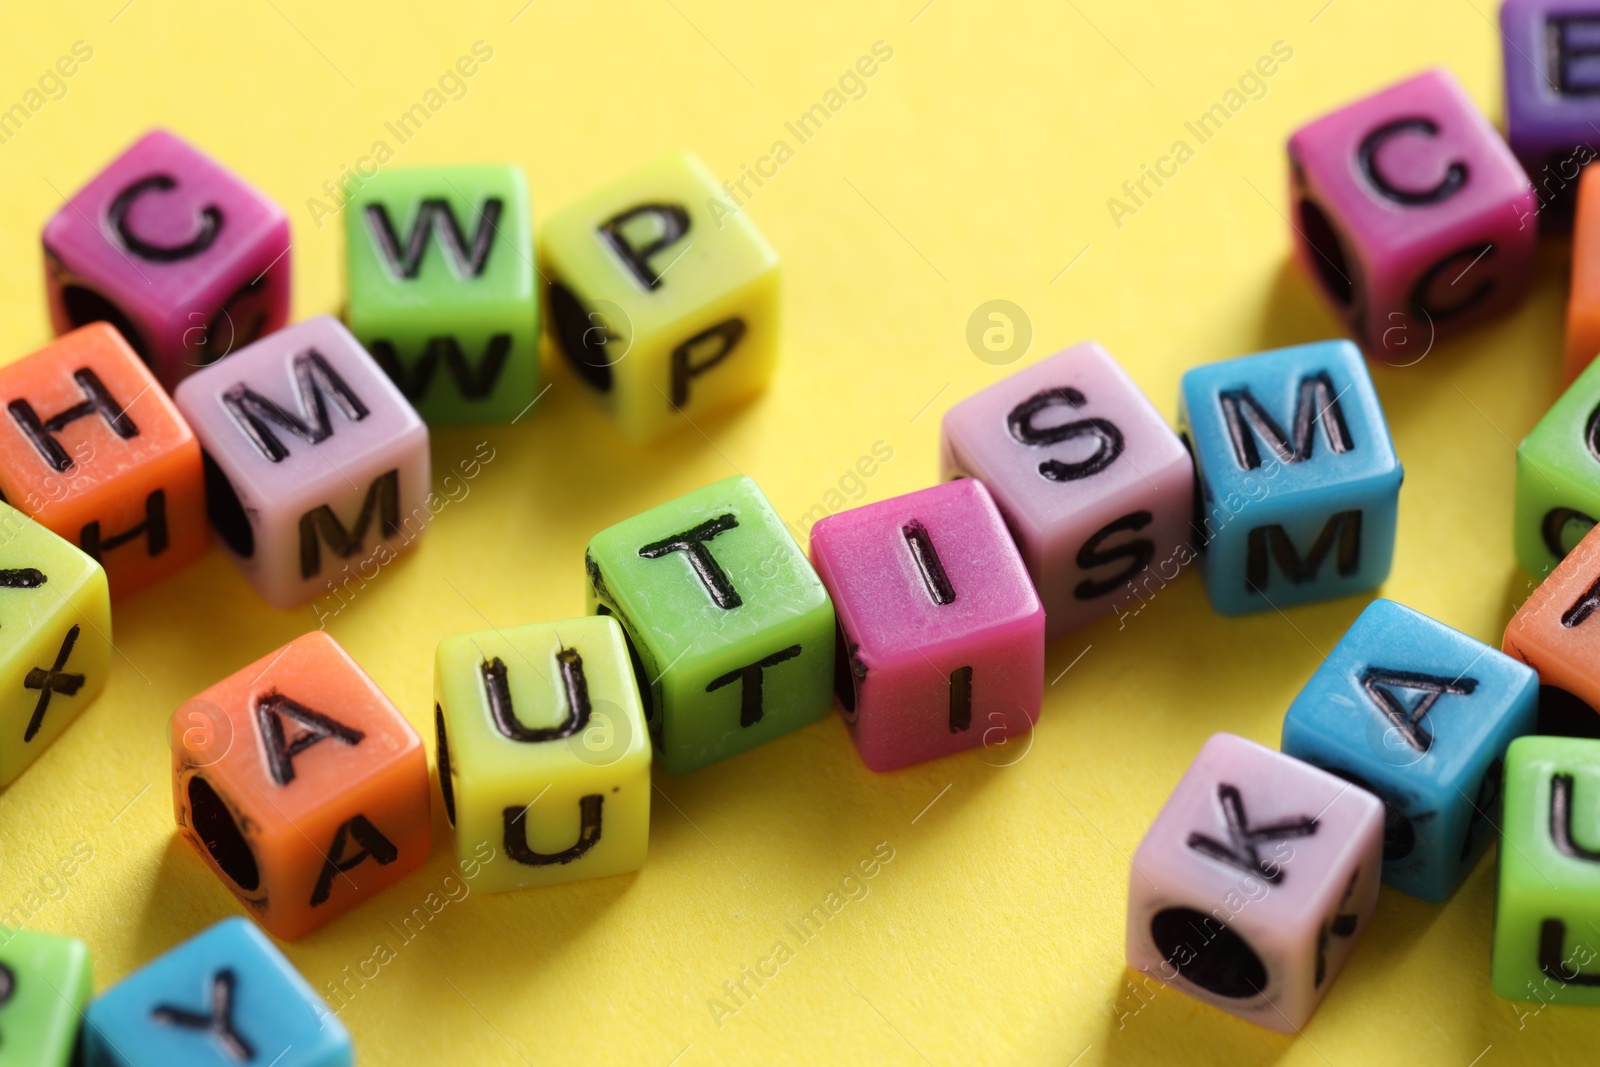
{"points": [[976, 166]]}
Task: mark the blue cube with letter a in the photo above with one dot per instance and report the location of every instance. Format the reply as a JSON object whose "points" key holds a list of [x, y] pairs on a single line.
{"points": [[1419, 715], [1298, 482]]}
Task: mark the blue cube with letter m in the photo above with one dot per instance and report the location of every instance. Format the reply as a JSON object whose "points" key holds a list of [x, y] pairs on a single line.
{"points": [[1298, 483]]}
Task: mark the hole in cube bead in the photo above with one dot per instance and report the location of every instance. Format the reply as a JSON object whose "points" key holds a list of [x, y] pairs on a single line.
{"points": [[582, 341], [84, 306], [1327, 252], [213, 824], [1565, 715], [1207, 953], [226, 512], [844, 675], [446, 787], [639, 676]]}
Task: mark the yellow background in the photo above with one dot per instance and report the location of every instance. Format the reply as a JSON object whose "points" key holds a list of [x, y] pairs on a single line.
{"points": [[977, 167]]}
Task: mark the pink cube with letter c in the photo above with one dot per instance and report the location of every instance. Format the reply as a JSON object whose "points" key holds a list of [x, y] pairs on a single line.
{"points": [[1411, 215]]}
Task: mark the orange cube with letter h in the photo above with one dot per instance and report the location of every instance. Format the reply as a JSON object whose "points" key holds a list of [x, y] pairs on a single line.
{"points": [[93, 449]]}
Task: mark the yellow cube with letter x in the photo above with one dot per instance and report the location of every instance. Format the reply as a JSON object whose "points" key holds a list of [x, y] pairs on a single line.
{"points": [[55, 638]]}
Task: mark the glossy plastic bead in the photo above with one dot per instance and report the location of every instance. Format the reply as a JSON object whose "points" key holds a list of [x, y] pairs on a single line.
{"points": [[223, 998], [1548, 904], [440, 268], [662, 297], [317, 466], [55, 611], [733, 631], [1557, 633], [1094, 485], [1558, 477], [1582, 342], [187, 260], [941, 632], [1420, 715], [1255, 881], [548, 713], [44, 988], [301, 786], [1299, 485], [1411, 215], [1551, 84], [94, 449]]}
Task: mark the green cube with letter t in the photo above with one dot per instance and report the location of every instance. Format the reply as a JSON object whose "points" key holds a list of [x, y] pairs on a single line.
{"points": [[732, 629], [440, 263]]}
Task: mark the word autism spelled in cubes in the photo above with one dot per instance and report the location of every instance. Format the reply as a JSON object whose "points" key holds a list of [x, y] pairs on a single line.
{"points": [[665, 308], [1411, 215], [1089, 477], [1252, 885], [1064, 496], [315, 462], [1298, 480], [1419, 715], [733, 631], [301, 785], [440, 263], [225, 997], [941, 644], [548, 713], [184, 258]]}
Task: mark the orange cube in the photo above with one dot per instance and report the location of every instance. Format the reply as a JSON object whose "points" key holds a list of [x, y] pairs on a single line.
{"points": [[1557, 631], [93, 449], [301, 785], [1583, 299]]}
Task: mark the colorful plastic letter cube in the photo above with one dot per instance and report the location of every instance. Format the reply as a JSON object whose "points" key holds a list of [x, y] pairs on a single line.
{"points": [[55, 611], [732, 630], [1557, 633], [1298, 481], [1551, 82], [44, 988], [1558, 477], [224, 997], [1254, 882], [180, 254], [440, 266], [941, 633], [317, 466], [544, 754], [1582, 342], [662, 296], [1419, 715], [301, 785], [1411, 215], [94, 449], [1547, 912], [1092, 482]]}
